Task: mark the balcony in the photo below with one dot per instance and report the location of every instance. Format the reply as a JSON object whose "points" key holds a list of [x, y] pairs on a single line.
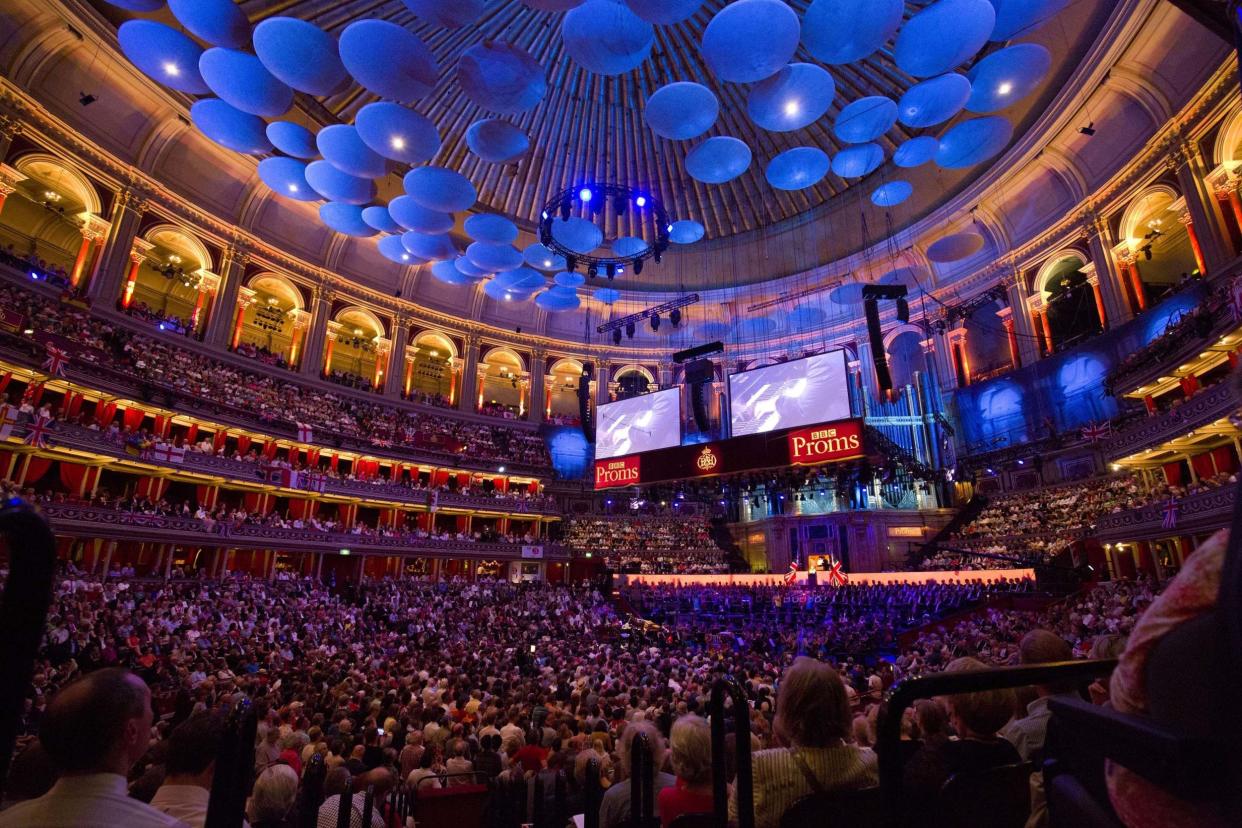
{"points": [[1197, 514], [114, 524], [1200, 410]]}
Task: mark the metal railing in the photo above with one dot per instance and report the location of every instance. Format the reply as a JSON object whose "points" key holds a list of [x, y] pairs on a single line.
{"points": [[728, 687]]}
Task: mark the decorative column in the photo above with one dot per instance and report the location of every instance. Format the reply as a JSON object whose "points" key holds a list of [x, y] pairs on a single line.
{"points": [[957, 350], [538, 382], [1227, 190], [321, 310], [1015, 293], [1093, 279], [330, 334], [137, 255], [208, 287], [1039, 319], [456, 367], [399, 364], [468, 396], [220, 313], [1187, 163], [245, 298], [383, 347], [1104, 267], [94, 233], [9, 179], [523, 394], [1127, 264], [301, 323], [1185, 218], [105, 278], [1006, 318]]}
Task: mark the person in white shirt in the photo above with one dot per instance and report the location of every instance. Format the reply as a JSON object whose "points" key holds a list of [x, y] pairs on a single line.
{"points": [[94, 730], [189, 768]]}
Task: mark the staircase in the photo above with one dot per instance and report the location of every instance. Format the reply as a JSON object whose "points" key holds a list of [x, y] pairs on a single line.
{"points": [[723, 538], [968, 513]]}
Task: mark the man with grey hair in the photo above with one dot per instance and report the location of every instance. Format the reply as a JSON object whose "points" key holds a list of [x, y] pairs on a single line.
{"points": [[614, 809], [1027, 734]]}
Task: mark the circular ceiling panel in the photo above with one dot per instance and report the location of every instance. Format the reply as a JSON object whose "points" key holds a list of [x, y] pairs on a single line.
{"points": [[679, 111], [377, 216], [451, 14], [163, 54], [605, 37], [750, 40], [805, 316], [843, 31], [341, 146], [569, 279], [1007, 76], [292, 139], [286, 177], [685, 232], [335, 185], [345, 218], [391, 248], [628, 246], [491, 228], [847, 294], [954, 248], [446, 271], [798, 168], [230, 127], [388, 60], [137, 5], [242, 81], [892, 193], [558, 299], [542, 258], [933, 101], [494, 257], [795, 97], [496, 141], [500, 77], [943, 35], [973, 142], [607, 295], [433, 247], [437, 188], [521, 280], [396, 132], [219, 22], [916, 152], [300, 54], [1018, 18], [471, 269], [500, 293], [578, 234], [718, 160], [664, 12], [858, 160], [865, 119], [411, 215], [756, 327]]}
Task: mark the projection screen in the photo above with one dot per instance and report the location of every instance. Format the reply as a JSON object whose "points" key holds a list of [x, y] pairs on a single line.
{"points": [[796, 393]]}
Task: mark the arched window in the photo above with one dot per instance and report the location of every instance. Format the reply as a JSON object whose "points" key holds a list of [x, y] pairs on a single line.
{"points": [[431, 358], [275, 320], [43, 217], [1155, 235], [354, 353], [1069, 300]]}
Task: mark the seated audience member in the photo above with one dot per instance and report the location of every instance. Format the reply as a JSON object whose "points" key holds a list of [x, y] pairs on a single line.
{"points": [[1027, 733], [614, 809], [1194, 592], [31, 775], [690, 754], [273, 798], [976, 718], [94, 730], [425, 775], [458, 767], [189, 768], [813, 725]]}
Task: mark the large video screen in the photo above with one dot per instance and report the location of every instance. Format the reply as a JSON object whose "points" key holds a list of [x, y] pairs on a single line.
{"points": [[652, 421], [796, 393]]}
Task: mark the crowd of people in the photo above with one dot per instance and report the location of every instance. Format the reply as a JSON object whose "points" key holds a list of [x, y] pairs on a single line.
{"points": [[649, 545]]}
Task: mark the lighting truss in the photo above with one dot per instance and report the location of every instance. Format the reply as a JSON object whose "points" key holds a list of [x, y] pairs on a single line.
{"points": [[658, 310]]}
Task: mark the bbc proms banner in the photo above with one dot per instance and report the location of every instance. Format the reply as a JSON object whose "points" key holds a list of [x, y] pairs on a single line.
{"points": [[833, 442]]}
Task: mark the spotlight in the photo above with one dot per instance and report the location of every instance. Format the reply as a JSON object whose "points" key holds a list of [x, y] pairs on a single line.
{"points": [[659, 255], [641, 201], [629, 330], [566, 208], [585, 195], [655, 321], [592, 272], [674, 317], [616, 336], [638, 266], [86, 98], [1088, 130], [611, 270], [544, 215]]}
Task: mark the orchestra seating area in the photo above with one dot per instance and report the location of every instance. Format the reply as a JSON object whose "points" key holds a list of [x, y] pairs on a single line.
{"points": [[648, 544]]}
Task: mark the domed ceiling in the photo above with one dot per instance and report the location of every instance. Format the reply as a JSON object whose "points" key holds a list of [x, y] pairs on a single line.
{"points": [[741, 116]]}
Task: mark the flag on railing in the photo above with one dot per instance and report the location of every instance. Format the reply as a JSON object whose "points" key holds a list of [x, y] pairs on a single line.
{"points": [[57, 359], [1170, 514], [279, 476], [8, 418], [305, 434], [313, 482], [382, 442], [1095, 432], [792, 575], [164, 453], [836, 575], [37, 434]]}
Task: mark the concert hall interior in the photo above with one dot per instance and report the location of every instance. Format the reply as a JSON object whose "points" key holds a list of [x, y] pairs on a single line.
{"points": [[620, 413]]}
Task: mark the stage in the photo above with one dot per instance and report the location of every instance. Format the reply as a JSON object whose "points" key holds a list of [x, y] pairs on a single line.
{"points": [[986, 576]]}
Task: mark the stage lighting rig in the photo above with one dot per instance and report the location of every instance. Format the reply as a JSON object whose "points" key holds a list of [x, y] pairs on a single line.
{"points": [[608, 205]]}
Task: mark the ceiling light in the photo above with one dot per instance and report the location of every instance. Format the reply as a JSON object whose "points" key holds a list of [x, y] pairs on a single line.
{"points": [[508, 297], [293, 188], [1005, 88], [405, 257], [585, 194], [641, 201], [398, 143], [547, 262], [792, 107], [171, 69]]}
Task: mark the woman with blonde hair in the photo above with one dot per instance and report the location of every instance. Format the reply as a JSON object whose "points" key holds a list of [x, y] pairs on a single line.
{"points": [[690, 754], [813, 725]]}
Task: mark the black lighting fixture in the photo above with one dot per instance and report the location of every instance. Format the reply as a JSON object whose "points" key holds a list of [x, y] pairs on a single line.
{"points": [[619, 203], [1088, 130], [616, 336], [611, 270], [86, 98], [655, 321], [565, 207], [594, 201], [629, 330], [571, 263], [592, 271], [1146, 251], [638, 267], [674, 318]]}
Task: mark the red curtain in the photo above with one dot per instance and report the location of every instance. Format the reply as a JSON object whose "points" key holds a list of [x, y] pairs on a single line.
{"points": [[105, 413], [1203, 465], [312, 457], [269, 449], [191, 434], [73, 475], [207, 496], [1173, 473], [5, 380], [35, 470], [152, 487], [132, 418], [334, 461], [1189, 385], [439, 477], [217, 442], [34, 393], [1150, 402], [298, 509], [243, 444], [1226, 459]]}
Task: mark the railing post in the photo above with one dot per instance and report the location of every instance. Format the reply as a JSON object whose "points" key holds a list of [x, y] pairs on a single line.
{"points": [[312, 792], [741, 730], [593, 795], [234, 772]]}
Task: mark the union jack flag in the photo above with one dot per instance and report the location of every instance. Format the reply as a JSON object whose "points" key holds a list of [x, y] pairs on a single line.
{"points": [[1095, 432], [57, 359], [305, 434], [1170, 514], [37, 434], [792, 575], [836, 576], [382, 442]]}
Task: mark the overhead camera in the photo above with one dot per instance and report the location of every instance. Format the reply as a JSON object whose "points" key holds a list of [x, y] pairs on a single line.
{"points": [[86, 98], [1088, 130]]}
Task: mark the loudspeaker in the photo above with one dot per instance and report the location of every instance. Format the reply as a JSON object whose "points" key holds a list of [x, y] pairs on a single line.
{"points": [[584, 404], [698, 351], [701, 370], [877, 346], [699, 404], [812, 578]]}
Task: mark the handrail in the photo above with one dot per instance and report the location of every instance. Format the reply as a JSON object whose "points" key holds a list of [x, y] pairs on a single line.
{"points": [[906, 692], [234, 773], [741, 731], [593, 795], [312, 792], [642, 782], [23, 611]]}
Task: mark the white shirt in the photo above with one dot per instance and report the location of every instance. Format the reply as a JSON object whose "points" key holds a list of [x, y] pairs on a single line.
{"points": [[96, 800], [187, 803]]}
